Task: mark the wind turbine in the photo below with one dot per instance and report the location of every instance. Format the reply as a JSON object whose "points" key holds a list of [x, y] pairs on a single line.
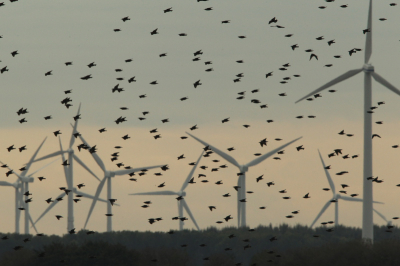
{"points": [[71, 192], [107, 177], [22, 183], [241, 208], [17, 186], [368, 69], [69, 171], [335, 197], [389, 223], [21, 186], [181, 193]]}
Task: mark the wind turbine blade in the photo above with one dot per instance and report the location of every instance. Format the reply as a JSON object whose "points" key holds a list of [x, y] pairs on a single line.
{"points": [[85, 195], [6, 184], [342, 77], [49, 208], [385, 83], [19, 176], [128, 171], [72, 140], [381, 215], [268, 154], [217, 151], [328, 176], [33, 225], [321, 212], [185, 184], [357, 199], [183, 202], [49, 156], [96, 197], [155, 193], [28, 165], [84, 166], [368, 41], [94, 155], [42, 168], [350, 199]]}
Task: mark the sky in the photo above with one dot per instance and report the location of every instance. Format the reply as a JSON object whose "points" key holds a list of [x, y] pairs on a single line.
{"points": [[49, 33]]}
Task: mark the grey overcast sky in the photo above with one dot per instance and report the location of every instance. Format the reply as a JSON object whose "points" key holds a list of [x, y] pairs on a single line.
{"points": [[49, 33]]}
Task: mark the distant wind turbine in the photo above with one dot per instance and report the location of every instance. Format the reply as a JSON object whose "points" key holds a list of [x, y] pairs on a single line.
{"points": [[181, 193], [241, 206], [335, 198], [71, 192], [368, 69], [107, 177], [383, 217], [69, 171], [21, 186], [17, 185]]}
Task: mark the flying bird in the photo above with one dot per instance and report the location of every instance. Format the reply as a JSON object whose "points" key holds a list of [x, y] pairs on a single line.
{"points": [[313, 55], [273, 20], [197, 83], [11, 148], [299, 148], [86, 77], [168, 10]]}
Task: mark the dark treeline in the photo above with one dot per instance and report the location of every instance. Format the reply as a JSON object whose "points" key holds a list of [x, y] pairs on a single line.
{"points": [[298, 245]]}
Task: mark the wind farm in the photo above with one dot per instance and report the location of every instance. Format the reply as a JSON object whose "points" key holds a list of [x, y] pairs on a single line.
{"points": [[149, 98]]}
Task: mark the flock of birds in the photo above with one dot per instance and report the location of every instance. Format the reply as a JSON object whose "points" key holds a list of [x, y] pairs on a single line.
{"points": [[23, 117]]}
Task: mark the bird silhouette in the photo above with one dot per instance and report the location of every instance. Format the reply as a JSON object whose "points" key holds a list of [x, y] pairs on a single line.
{"points": [[197, 83], [4, 69], [313, 55], [11, 148]]}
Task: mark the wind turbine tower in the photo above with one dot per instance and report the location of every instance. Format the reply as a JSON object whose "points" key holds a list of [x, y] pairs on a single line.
{"points": [[241, 206], [368, 69]]}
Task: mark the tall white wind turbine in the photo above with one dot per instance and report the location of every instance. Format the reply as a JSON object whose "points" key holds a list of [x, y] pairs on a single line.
{"points": [[335, 197], [241, 207], [181, 193], [368, 69], [73, 191], [17, 185], [107, 177], [69, 172], [22, 186]]}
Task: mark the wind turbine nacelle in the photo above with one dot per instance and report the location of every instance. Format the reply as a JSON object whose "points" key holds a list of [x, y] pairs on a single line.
{"points": [[27, 179], [110, 173], [244, 168], [368, 68], [182, 193]]}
